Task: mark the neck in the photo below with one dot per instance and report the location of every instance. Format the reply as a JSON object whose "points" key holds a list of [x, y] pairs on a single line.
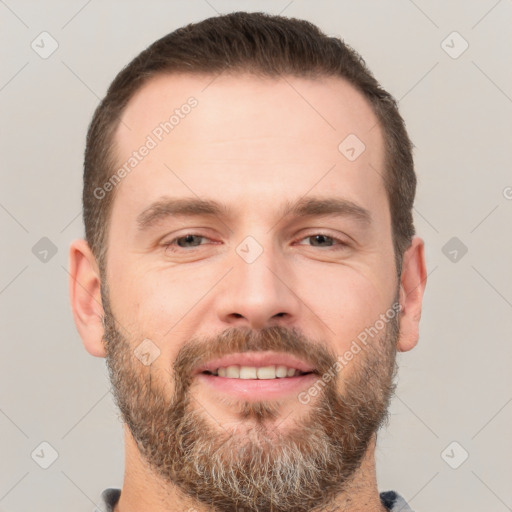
{"points": [[143, 490]]}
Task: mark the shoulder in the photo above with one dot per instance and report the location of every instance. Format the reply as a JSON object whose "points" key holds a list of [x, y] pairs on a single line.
{"points": [[394, 502], [109, 497], [390, 499]]}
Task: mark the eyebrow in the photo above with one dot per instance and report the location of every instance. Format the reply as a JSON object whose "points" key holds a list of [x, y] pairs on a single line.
{"points": [[195, 207]]}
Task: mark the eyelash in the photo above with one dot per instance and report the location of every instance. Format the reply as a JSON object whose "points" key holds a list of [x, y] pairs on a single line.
{"points": [[172, 243]]}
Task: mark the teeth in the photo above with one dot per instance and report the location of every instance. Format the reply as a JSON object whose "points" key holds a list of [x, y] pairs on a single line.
{"points": [[282, 371], [267, 372], [248, 372], [253, 372], [233, 372]]}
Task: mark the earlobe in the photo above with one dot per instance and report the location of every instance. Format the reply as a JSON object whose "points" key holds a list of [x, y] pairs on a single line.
{"points": [[412, 287], [85, 296]]}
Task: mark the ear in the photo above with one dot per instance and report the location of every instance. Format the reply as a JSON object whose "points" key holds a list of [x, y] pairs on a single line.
{"points": [[85, 295], [412, 286]]}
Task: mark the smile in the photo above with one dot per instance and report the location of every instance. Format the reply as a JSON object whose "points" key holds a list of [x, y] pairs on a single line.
{"points": [[257, 375], [254, 372]]}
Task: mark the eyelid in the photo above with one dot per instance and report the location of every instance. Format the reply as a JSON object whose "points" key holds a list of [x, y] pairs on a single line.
{"points": [[318, 232], [322, 232], [188, 233]]}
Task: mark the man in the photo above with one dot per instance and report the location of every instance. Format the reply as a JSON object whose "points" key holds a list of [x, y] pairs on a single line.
{"points": [[250, 269]]}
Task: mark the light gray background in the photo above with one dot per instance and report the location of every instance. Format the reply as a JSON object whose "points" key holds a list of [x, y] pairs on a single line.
{"points": [[455, 386]]}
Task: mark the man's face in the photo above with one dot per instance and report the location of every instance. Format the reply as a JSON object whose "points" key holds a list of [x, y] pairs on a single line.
{"points": [[251, 288]]}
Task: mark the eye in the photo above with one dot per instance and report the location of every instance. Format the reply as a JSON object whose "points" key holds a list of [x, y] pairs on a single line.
{"points": [[321, 239], [190, 240]]}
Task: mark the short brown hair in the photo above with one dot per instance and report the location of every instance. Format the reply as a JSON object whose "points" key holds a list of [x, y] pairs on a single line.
{"points": [[262, 44]]}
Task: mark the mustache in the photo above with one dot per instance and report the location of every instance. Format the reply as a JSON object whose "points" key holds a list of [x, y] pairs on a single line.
{"points": [[198, 351]]}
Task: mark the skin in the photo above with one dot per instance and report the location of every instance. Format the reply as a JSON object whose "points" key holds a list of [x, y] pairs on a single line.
{"points": [[251, 144]]}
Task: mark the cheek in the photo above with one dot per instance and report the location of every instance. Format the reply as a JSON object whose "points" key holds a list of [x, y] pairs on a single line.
{"points": [[346, 300], [158, 304]]}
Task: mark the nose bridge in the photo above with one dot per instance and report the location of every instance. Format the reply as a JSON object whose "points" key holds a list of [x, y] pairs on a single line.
{"points": [[256, 292], [257, 263]]}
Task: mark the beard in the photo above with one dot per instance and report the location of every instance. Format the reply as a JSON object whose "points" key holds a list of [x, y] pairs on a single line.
{"points": [[257, 467]]}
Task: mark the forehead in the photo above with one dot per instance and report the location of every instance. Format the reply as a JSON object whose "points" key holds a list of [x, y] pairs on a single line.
{"points": [[329, 105], [232, 134]]}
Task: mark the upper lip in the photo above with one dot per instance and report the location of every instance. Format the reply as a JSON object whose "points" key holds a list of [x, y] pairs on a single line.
{"points": [[256, 359]]}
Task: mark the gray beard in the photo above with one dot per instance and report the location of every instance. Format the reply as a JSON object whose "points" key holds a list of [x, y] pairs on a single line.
{"points": [[259, 468]]}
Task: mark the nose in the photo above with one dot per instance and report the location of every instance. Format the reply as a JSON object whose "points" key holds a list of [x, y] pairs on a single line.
{"points": [[259, 293]]}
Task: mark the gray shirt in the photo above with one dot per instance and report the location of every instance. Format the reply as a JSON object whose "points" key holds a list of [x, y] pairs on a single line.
{"points": [[390, 499]]}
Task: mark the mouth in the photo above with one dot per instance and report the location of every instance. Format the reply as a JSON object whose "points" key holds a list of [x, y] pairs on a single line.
{"points": [[255, 372], [257, 375]]}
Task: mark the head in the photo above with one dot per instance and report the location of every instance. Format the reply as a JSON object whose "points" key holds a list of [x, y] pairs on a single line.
{"points": [[215, 155], [266, 46]]}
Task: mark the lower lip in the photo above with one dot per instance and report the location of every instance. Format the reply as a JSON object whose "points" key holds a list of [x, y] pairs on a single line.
{"points": [[258, 389]]}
